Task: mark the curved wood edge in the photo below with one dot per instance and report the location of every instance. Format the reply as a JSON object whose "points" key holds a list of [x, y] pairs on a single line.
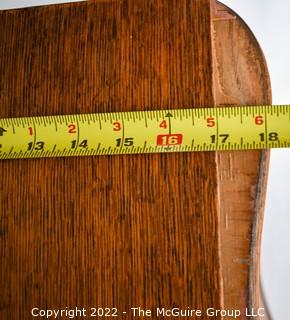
{"points": [[240, 77]]}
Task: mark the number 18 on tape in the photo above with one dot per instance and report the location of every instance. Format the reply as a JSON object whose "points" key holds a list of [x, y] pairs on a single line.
{"points": [[158, 131]]}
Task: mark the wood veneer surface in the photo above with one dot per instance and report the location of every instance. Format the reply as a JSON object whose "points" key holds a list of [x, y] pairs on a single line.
{"points": [[116, 231]]}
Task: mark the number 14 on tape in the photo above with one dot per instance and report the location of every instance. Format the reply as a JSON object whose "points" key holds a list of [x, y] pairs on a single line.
{"points": [[181, 130]]}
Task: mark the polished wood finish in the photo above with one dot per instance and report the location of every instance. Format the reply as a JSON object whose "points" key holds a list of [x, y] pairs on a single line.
{"points": [[126, 231], [117, 231]]}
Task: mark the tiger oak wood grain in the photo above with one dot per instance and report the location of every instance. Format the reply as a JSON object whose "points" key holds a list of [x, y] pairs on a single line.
{"points": [[119, 231]]}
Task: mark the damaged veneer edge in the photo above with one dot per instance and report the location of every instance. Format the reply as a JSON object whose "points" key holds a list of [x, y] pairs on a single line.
{"points": [[240, 77]]}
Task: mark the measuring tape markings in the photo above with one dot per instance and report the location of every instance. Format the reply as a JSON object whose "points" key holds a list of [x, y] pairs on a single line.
{"points": [[180, 130]]}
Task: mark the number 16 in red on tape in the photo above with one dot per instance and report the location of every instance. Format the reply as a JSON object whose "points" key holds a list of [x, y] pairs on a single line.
{"points": [[169, 139]]}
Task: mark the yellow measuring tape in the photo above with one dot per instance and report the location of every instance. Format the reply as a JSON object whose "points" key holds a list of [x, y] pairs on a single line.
{"points": [[181, 130]]}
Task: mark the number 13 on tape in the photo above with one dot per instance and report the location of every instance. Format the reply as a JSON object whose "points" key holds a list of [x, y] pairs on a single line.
{"points": [[181, 130]]}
